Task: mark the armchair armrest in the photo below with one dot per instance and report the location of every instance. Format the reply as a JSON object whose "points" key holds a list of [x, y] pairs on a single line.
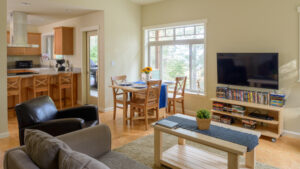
{"points": [[88, 113], [59, 126], [93, 141]]}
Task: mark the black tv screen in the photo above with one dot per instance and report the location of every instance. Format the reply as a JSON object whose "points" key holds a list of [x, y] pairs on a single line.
{"points": [[248, 69]]}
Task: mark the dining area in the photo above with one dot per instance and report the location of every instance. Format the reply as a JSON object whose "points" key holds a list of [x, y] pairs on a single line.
{"points": [[146, 99]]}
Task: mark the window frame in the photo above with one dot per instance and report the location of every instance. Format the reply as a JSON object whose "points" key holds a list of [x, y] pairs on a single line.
{"points": [[190, 42]]}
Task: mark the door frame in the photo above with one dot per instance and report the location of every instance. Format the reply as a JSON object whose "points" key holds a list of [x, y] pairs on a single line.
{"points": [[90, 99], [83, 51]]}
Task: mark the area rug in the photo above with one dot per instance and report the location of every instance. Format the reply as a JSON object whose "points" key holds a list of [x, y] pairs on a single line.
{"points": [[142, 150]]}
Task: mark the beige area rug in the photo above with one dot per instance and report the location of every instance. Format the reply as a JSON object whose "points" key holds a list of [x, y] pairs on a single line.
{"points": [[142, 150]]}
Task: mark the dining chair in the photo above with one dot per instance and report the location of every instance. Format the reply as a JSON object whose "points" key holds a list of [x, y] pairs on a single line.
{"points": [[178, 95], [118, 94], [150, 102]]}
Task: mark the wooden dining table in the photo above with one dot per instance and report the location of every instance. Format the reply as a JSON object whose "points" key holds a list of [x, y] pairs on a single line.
{"points": [[132, 89]]}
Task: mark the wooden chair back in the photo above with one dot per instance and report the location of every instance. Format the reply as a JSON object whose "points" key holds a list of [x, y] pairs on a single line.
{"points": [[13, 86], [65, 80], [115, 80], [41, 82], [153, 93], [180, 86]]}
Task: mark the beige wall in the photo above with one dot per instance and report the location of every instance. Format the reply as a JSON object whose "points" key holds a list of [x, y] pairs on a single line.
{"points": [[121, 38], [3, 85], [241, 26]]}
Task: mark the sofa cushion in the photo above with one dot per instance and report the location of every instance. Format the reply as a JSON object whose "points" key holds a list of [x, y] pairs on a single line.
{"points": [[69, 159], [43, 148], [115, 160]]}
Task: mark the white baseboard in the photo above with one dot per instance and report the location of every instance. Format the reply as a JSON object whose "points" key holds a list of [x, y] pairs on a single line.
{"points": [[291, 133], [108, 109], [4, 134]]}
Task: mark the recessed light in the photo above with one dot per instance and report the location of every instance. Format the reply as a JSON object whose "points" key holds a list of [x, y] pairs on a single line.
{"points": [[25, 3]]}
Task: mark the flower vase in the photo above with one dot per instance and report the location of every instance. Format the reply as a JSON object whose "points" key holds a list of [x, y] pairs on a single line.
{"points": [[148, 76]]}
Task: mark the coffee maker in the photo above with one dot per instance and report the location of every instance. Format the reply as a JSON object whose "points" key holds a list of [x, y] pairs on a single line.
{"points": [[60, 65]]}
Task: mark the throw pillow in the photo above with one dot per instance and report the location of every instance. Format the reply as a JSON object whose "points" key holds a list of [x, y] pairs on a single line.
{"points": [[43, 148]]}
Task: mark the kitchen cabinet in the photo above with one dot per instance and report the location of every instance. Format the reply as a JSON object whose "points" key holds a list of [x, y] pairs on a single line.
{"points": [[32, 38], [63, 41]]}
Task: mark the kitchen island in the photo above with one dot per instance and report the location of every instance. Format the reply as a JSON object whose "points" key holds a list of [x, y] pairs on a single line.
{"points": [[26, 76]]}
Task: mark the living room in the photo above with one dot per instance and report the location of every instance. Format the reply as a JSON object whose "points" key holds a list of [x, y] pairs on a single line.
{"points": [[134, 34]]}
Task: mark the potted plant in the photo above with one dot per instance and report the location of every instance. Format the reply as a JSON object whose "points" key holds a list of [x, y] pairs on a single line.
{"points": [[203, 119], [147, 71]]}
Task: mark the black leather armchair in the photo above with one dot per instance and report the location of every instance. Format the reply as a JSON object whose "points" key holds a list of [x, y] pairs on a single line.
{"points": [[41, 113]]}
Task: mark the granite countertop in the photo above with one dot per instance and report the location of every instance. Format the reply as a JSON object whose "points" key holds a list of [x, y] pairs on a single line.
{"points": [[41, 71]]}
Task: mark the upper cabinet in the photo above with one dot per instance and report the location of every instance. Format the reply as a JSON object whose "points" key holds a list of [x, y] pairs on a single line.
{"points": [[32, 38], [63, 41]]}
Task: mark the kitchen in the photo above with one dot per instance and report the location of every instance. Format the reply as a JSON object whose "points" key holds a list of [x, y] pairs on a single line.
{"points": [[41, 63]]}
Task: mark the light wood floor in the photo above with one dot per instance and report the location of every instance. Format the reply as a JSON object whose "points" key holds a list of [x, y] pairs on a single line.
{"points": [[285, 153]]}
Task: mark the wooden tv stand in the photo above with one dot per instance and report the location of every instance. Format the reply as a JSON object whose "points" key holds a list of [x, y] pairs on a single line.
{"points": [[269, 128]]}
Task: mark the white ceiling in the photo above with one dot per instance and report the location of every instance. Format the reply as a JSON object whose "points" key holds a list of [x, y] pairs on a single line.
{"points": [[42, 12], [145, 2]]}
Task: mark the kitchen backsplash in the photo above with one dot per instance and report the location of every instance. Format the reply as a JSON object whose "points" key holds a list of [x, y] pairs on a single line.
{"points": [[12, 59]]}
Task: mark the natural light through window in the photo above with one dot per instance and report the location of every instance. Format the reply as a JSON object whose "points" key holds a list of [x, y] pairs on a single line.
{"points": [[177, 51]]}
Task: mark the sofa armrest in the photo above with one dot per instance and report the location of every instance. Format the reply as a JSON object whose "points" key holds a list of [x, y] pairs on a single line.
{"points": [[87, 112], [93, 141]]}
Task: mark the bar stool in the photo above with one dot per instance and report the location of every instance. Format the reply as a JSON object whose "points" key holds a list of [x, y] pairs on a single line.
{"points": [[14, 88], [65, 81], [41, 84]]}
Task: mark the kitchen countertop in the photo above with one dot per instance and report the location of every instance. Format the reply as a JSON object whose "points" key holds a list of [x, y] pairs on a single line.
{"points": [[41, 71]]}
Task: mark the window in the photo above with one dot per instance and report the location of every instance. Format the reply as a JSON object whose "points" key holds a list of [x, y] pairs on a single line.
{"points": [[177, 51], [47, 46]]}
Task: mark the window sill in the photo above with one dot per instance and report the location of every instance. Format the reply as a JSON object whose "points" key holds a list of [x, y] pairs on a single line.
{"points": [[191, 93]]}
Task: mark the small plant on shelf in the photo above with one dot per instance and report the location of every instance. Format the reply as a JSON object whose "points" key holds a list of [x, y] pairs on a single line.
{"points": [[203, 118]]}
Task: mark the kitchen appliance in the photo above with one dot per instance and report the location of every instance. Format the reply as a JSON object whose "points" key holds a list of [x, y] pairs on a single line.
{"points": [[248, 69], [18, 30], [60, 65], [24, 64]]}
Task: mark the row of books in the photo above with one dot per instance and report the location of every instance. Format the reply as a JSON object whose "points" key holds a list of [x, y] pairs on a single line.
{"points": [[277, 100], [250, 96]]}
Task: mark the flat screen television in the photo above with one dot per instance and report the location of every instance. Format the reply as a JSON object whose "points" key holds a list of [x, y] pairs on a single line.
{"points": [[248, 69]]}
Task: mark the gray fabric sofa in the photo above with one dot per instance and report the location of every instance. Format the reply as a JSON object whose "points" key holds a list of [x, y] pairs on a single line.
{"points": [[94, 142]]}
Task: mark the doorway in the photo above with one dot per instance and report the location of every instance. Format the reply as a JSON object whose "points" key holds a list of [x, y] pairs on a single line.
{"points": [[92, 67]]}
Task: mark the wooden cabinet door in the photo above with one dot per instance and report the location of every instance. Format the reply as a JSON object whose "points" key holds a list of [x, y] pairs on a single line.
{"points": [[58, 35], [15, 51], [33, 38], [63, 41]]}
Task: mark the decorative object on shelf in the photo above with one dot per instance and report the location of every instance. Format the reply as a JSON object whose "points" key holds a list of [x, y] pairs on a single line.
{"points": [[249, 124], [203, 119], [147, 71]]}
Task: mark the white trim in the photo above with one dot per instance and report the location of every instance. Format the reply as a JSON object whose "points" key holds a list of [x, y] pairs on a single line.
{"points": [[176, 24], [105, 110], [90, 28], [298, 9], [4, 134], [84, 94], [291, 133]]}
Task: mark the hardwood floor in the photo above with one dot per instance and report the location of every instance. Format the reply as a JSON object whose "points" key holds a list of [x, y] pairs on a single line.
{"points": [[285, 153]]}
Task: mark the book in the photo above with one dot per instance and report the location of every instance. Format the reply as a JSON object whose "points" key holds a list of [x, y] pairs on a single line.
{"points": [[167, 123]]}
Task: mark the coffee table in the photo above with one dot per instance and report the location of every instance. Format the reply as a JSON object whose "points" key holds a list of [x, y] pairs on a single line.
{"points": [[185, 156]]}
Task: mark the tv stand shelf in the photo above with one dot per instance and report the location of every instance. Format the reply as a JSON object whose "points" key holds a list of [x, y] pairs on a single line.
{"points": [[269, 128]]}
